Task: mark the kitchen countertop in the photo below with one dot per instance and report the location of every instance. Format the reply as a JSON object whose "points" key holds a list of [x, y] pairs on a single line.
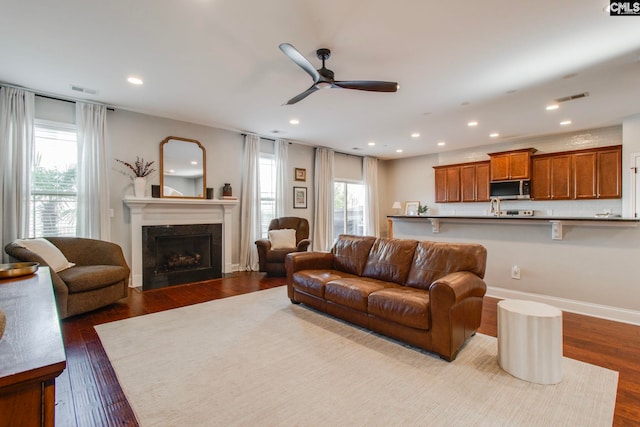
{"points": [[525, 218]]}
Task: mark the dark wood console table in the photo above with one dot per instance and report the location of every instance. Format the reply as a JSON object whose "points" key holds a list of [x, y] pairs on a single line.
{"points": [[31, 351]]}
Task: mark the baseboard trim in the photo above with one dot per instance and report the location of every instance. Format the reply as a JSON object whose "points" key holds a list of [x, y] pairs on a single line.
{"points": [[573, 306]]}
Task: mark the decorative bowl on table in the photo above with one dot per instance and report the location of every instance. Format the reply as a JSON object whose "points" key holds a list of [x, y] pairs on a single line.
{"points": [[17, 269]]}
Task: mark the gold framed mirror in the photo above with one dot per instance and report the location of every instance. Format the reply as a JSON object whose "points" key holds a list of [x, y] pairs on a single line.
{"points": [[182, 168]]}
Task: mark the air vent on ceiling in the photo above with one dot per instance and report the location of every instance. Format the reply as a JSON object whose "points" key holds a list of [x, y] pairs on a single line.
{"points": [[572, 97], [84, 90]]}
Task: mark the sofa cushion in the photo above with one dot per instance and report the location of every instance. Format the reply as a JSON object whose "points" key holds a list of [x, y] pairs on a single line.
{"points": [[403, 305], [390, 260], [353, 292], [313, 282], [350, 253], [434, 260], [89, 277]]}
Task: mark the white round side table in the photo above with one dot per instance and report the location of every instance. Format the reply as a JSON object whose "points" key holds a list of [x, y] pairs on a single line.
{"points": [[530, 341]]}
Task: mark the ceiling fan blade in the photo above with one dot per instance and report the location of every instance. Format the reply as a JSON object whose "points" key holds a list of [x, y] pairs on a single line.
{"points": [[299, 59], [302, 96], [370, 85]]}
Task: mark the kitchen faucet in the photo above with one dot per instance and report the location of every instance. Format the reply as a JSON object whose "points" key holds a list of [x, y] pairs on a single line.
{"points": [[494, 207]]}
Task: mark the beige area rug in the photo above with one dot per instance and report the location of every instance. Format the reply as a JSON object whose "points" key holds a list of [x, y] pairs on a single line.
{"points": [[257, 359]]}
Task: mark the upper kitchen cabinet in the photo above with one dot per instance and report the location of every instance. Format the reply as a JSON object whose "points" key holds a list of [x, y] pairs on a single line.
{"points": [[551, 177], [467, 182], [447, 184], [594, 173], [515, 164], [598, 173]]}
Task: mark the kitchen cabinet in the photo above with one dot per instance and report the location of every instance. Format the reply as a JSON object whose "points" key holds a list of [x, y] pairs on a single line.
{"points": [[597, 173], [468, 182], [508, 165], [474, 185], [447, 180], [576, 175], [551, 177]]}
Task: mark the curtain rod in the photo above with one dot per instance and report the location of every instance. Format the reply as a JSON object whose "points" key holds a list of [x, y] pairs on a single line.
{"points": [[55, 98]]}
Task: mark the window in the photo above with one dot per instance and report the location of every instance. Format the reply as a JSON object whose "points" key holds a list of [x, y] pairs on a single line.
{"points": [[348, 208], [267, 192], [53, 180]]}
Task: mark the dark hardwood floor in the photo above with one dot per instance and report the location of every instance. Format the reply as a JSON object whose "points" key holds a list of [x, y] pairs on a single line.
{"points": [[88, 393]]}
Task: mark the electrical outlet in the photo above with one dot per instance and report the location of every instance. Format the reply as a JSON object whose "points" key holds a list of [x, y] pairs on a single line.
{"points": [[515, 272]]}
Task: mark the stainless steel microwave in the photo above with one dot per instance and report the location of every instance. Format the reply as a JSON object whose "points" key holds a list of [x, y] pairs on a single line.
{"points": [[511, 190]]}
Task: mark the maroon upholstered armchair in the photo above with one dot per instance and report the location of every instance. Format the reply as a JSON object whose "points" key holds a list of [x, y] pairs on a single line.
{"points": [[272, 251]]}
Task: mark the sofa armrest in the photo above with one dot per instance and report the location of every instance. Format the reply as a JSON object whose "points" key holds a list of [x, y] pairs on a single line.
{"points": [[303, 245], [456, 311], [455, 287], [296, 261]]}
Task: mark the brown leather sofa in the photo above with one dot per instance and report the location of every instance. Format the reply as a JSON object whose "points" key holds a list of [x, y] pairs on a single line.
{"points": [[428, 294], [271, 260], [99, 278]]}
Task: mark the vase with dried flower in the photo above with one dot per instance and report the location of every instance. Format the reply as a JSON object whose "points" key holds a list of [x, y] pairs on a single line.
{"points": [[141, 170]]}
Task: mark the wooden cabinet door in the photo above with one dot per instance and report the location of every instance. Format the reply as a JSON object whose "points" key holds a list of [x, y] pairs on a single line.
{"points": [[453, 184], [441, 185], [541, 178], [610, 174], [482, 182], [519, 165], [561, 177], [584, 175], [468, 183], [500, 167]]}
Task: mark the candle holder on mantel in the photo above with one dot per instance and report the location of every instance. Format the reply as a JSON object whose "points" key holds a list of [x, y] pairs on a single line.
{"points": [[227, 191]]}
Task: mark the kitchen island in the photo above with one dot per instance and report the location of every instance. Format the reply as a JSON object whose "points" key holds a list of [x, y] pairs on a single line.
{"points": [[556, 222]]}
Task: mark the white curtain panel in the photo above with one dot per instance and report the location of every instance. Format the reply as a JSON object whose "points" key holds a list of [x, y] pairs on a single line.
{"points": [[250, 204], [93, 219], [16, 151], [371, 214], [281, 149], [323, 214]]}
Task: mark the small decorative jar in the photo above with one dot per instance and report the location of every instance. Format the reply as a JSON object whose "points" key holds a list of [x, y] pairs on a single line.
{"points": [[226, 190]]}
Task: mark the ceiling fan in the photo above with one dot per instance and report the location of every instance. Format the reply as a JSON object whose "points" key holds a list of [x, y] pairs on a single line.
{"points": [[323, 77]]}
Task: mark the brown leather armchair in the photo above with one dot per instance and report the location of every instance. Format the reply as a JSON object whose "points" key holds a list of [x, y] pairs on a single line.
{"points": [[99, 278], [271, 261]]}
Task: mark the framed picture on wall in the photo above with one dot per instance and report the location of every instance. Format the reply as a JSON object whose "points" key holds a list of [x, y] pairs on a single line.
{"points": [[411, 208], [299, 197], [301, 174]]}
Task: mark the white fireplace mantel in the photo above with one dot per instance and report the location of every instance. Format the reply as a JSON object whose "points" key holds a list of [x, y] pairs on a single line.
{"points": [[164, 211]]}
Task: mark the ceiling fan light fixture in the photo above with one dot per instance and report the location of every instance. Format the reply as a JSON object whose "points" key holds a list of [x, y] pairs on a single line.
{"points": [[323, 85]]}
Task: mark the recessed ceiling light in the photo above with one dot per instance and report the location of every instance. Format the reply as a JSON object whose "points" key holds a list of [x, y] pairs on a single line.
{"points": [[565, 122], [134, 80], [371, 143], [415, 135], [294, 121], [552, 107], [172, 171], [193, 162], [442, 143], [399, 150], [494, 135], [472, 123]]}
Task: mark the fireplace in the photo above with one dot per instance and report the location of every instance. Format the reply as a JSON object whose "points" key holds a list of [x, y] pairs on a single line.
{"points": [[177, 254]]}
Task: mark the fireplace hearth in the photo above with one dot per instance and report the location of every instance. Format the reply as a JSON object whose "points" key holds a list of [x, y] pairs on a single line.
{"points": [[178, 254]]}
